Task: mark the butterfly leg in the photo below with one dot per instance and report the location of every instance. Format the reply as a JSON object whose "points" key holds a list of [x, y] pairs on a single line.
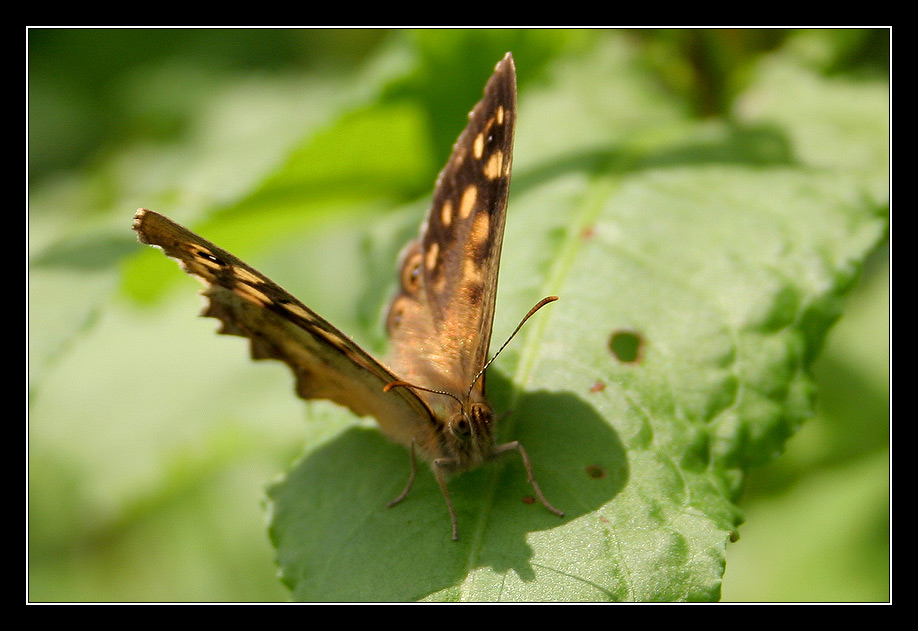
{"points": [[526, 463], [414, 469], [439, 465]]}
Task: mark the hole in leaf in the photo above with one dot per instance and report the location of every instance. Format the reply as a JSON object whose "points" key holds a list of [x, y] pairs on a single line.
{"points": [[627, 346], [596, 472]]}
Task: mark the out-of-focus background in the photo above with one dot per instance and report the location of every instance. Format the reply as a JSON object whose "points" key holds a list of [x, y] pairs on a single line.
{"points": [[119, 118]]}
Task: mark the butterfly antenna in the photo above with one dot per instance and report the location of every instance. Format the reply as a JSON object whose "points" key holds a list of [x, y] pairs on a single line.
{"points": [[539, 305], [405, 384]]}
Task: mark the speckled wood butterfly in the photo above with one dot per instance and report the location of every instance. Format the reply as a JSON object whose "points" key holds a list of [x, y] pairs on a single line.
{"points": [[430, 394]]}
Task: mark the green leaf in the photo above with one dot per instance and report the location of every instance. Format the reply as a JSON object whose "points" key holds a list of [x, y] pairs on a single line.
{"points": [[728, 274], [721, 382]]}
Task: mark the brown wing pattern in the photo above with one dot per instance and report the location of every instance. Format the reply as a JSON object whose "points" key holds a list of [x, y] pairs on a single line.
{"points": [[325, 362], [440, 322]]}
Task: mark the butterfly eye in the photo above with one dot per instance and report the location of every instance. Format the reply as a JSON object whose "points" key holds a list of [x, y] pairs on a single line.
{"points": [[462, 427]]}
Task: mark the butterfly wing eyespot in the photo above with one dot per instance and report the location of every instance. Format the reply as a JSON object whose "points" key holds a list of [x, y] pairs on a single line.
{"points": [[204, 254], [411, 273], [395, 317]]}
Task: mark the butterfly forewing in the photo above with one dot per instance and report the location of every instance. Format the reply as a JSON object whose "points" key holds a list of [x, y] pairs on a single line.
{"points": [[325, 362], [445, 309]]}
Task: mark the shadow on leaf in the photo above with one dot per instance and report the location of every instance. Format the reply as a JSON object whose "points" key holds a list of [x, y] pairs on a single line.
{"points": [[337, 540]]}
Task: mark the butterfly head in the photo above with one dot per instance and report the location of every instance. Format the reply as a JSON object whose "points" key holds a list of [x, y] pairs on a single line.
{"points": [[468, 436], [465, 434]]}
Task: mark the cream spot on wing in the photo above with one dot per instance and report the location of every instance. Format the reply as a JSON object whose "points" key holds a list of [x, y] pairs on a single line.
{"points": [[471, 273], [480, 229], [332, 338], [433, 252], [299, 311], [251, 294], [478, 146], [439, 284], [500, 115], [492, 168], [245, 275], [467, 204], [446, 213]]}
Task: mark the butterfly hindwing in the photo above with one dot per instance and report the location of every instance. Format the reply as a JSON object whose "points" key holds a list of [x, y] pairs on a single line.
{"points": [[324, 361]]}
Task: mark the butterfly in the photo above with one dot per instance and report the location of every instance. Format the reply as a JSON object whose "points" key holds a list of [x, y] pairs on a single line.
{"points": [[430, 393]]}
